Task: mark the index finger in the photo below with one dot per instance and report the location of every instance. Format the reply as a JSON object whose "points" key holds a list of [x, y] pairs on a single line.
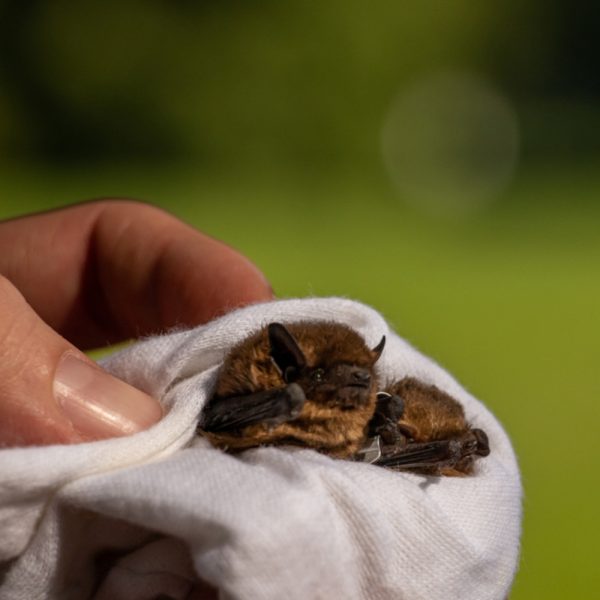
{"points": [[105, 271]]}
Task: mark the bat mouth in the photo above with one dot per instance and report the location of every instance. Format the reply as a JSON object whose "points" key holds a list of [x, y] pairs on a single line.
{"points": [[353, 395]]}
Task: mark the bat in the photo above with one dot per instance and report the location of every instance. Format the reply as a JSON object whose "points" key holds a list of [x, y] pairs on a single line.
{"points": [[308, 384], [314, 384], [423, 429]]}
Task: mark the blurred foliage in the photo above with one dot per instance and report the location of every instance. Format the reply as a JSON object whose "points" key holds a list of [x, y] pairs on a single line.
{"points": [[261, 123], [291, 82]]}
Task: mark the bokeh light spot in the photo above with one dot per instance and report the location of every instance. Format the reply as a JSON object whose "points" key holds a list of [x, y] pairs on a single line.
{"points": [[450, 143]]}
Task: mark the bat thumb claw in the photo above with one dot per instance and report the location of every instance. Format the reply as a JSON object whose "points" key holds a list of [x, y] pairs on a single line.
{"points": [[483, 444], [296, 399]]}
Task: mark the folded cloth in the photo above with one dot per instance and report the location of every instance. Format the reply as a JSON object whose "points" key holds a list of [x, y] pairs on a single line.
{"points": [[159, 511]]}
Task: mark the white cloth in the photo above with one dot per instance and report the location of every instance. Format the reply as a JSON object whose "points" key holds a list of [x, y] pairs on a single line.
{"points": [[138, 516]]}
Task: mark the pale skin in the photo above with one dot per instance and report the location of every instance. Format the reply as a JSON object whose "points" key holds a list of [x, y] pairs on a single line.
{"points": [[93, 274]]}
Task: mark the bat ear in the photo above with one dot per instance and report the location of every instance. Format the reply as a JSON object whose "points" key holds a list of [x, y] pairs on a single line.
{"points": [[378, 349], [285, 352]]}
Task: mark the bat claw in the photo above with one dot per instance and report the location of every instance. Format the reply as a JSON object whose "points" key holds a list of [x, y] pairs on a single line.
{"points": [[483, 443], [292, 402]]}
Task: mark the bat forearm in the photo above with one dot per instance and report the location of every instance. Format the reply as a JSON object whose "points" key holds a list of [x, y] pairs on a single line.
{"points": [[269, 407]]}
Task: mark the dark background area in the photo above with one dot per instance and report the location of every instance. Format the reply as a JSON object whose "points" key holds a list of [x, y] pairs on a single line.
{"points": [[439, 161], [158, 80]]}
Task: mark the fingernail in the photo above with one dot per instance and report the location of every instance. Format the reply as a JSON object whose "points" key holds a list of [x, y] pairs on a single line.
{"points": [[98, 404]]}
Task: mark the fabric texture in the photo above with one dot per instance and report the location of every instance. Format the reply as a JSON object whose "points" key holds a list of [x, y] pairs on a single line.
{"points": [[154, 513]]}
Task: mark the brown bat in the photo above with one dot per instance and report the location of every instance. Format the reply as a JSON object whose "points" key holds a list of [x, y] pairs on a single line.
{"points": [[423, 429], [314, 384]]}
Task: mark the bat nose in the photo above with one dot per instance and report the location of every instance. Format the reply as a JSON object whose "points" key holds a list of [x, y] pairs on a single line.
{"points": [[361, 376]]}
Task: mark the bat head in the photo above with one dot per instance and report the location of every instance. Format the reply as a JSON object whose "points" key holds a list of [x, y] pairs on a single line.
{"points": [[330, 362]]}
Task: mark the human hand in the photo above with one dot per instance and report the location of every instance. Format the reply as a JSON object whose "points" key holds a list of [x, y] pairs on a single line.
{"points": [[91, 275]]}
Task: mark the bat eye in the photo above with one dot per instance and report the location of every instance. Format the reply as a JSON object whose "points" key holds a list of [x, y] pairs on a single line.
{"points": [[318, 375]]}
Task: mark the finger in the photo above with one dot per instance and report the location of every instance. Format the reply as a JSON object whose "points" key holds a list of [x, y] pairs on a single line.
{"points": [[52, 393], [104, 271]]}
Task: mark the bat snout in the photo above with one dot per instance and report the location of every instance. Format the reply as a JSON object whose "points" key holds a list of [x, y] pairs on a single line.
{"points": [[345, 375], [360, 377], [354, 386]]}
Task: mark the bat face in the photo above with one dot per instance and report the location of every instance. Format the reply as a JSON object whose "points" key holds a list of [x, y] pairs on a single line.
{"points": [[332, 377], [343, 386], [314, 384]]}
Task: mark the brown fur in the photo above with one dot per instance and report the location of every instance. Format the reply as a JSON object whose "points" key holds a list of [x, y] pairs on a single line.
{"points": [[429, 414]]}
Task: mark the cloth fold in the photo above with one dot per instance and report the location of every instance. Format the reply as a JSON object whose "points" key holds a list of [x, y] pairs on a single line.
{"points": [[269, 523]]}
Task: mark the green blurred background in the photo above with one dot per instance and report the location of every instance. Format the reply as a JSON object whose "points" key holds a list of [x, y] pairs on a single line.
{"points": [[438, 160]]}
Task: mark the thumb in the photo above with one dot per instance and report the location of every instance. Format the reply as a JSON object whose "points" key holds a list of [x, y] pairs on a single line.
{"points": [[50, 392]]}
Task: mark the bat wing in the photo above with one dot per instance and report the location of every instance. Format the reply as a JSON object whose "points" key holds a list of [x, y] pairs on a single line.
{"points": [[270, 407], [427, 457]]}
